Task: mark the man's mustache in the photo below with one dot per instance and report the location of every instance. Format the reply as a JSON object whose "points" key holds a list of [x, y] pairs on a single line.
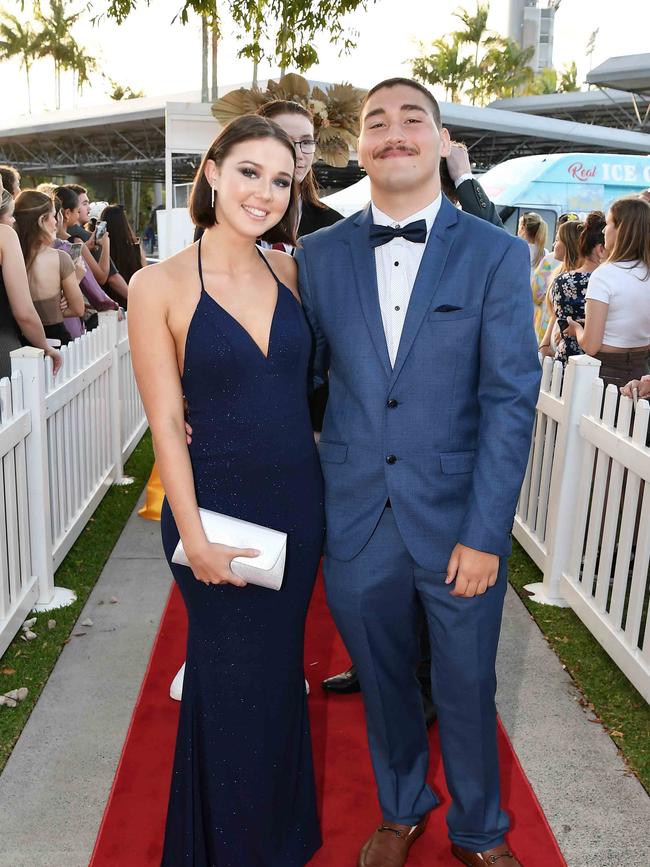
{"points": [[389, 149]]}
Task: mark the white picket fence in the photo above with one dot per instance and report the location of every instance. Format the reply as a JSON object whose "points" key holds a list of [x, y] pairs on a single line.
{"points": [[584, 511], [63, 442]]}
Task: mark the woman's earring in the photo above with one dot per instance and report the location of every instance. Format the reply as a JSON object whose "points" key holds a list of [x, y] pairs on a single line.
{"points": [[212, 198]]}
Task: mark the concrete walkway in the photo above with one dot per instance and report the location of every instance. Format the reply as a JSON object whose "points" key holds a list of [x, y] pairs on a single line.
{"points": [[55, 785]]}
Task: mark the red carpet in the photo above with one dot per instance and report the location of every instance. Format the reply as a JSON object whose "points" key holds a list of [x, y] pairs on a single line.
{"points": [[132, 828]]}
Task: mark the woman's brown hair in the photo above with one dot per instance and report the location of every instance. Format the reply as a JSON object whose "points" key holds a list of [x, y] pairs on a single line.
{"points": [[249, 127], [632, 220], [569, 234], [309, 186], [126, 252], [29, 208], [592, 233]]}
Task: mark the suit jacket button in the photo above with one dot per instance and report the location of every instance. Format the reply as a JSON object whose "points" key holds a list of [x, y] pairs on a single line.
{"points": [[392, 403], [391, 459]]}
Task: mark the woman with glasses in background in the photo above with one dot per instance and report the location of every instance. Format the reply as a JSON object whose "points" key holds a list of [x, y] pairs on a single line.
{"points": [[298, 123]]}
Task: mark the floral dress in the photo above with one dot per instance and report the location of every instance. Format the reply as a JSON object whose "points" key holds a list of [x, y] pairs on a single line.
{"points": [[540, 280], [568, 296]]}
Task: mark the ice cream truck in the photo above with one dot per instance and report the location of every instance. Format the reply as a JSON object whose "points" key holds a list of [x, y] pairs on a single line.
{"points": [[560, 183], [550, 185]]}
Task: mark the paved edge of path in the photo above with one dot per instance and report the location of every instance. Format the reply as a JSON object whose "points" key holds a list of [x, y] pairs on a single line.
{"points": [[54, 788]]}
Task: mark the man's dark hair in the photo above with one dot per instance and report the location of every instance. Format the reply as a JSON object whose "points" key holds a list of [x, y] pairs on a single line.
{"points": [[77, 188], [10, 178], [405, 82]]}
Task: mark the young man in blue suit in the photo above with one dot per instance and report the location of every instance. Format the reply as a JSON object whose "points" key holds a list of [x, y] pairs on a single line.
{"points": [[423, 317]]}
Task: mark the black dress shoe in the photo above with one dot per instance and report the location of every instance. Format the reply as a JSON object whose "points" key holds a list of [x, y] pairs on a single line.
{"points": [[345, 683]]}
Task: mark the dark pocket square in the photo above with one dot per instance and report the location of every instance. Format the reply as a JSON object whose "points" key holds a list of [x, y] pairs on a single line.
{"points": [[446, 308]]}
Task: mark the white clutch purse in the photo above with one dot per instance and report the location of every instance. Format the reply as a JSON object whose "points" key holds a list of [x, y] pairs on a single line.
{"points": [[266, 570]]}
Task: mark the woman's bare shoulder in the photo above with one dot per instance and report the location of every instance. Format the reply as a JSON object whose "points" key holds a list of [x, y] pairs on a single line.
{"points": [[162, 278], [285, 268]]}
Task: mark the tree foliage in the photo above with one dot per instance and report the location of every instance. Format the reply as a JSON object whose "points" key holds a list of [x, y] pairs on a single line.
{"points": [[53, 39], [288, 26], [19, 40], [494, 67], [569, 78], [442, 66]]}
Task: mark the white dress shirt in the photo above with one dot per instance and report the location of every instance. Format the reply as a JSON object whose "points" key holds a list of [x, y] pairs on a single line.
{"points": [[397, 266]]}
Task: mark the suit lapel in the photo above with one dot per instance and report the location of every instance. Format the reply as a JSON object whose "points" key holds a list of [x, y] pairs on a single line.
{"points": [[426, 281], [365, 275]]}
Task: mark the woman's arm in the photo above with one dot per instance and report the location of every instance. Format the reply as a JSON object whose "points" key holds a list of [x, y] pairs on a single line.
{"points": [[119, 285], [91, 262], [70, 286], [153, 353], [20, 300], [590, 336], [545, 346]]}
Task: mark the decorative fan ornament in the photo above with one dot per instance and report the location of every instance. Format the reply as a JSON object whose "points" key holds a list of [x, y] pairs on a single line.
{"points": [[335, 111]]}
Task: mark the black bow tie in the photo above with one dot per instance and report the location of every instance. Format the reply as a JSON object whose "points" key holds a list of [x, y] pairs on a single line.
{"points": [[416, 232]]}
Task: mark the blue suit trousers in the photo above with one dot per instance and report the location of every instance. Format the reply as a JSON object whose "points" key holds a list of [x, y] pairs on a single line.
{"points": [[374, 601]]}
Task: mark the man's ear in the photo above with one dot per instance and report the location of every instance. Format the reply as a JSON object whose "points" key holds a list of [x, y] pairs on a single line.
{"points": [[359, 163], [445, 142]]}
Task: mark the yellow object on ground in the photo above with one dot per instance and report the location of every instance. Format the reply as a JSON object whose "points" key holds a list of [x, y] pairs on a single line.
{"points": [[155, 496]]}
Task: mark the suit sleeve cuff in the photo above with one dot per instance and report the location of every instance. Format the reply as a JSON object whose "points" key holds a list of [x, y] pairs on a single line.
{"points": [[468, 176]]}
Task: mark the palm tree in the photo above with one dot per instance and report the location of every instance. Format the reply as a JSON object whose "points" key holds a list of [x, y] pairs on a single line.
{"points": [[473, 34], [505, 69], [443, 66], [569, 78], [57, 42], [18, 39]]}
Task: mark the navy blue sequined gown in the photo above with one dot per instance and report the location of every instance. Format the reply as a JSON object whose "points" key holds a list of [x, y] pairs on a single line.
{"points": [[242, 791]]}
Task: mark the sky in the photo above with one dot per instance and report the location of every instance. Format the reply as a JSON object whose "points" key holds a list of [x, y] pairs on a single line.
{"points": [[150, 53]]}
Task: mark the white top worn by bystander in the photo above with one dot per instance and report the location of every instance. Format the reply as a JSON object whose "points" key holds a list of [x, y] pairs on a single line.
{"points": [[625, 286]]}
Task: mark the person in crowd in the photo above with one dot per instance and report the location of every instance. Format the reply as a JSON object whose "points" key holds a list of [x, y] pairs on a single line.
{"points": [[532, 228], [567, 251], [220, 325], [96, 256], [109, 277], [542, 279], [568, 291], [462, 188], [10, 180], [18, 315], [50, 272], [47, 188], [645, 195], [95, 297], [421, 476], [298, 123], [617, 315], [6, 208], [126, 249]]}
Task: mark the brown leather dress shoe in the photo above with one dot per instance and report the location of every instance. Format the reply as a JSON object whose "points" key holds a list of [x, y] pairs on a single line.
{"points": [[501, 856], [390, 844]]}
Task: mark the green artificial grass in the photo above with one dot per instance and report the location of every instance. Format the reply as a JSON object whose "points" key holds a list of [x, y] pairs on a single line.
{"points": [[607, 692], [30, 663]]}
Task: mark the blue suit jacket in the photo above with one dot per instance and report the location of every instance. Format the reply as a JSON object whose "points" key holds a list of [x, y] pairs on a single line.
{"points": [[462, 392]]}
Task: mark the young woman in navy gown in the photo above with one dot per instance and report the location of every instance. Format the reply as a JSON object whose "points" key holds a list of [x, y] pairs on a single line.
{"points": [[220, 325]]}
